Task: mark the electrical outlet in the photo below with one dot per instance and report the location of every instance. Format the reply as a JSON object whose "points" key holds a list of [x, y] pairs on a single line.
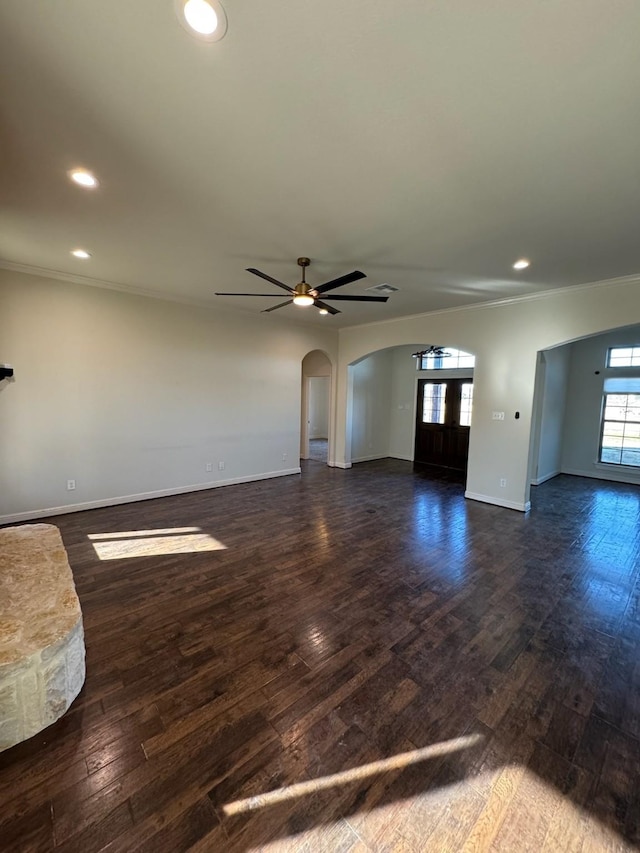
{"points": [[209, 467], [503, 482], [71, 484], [498, 416], [284, 457], [220, 466]]}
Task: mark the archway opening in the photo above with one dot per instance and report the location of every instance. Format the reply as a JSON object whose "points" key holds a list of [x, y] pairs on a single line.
{"points": [[586, 410], [316, 407], [387, 406]]}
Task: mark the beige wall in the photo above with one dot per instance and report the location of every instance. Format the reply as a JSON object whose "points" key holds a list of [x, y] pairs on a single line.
{"points": [[132, 396]]}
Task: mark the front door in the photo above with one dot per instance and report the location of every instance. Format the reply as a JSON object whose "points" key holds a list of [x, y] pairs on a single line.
{"points": [[443, 422]]}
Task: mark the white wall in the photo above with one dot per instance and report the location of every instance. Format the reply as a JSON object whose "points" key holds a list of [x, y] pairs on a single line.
{"points": [[505, 338], [319, 387], [371, 407], [133, 396], [403, 402], [581, 437], [554, 366]]}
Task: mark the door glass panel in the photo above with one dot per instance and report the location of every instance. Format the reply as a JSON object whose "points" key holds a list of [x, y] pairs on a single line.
{"points": [[466, 403], [433, 402]]}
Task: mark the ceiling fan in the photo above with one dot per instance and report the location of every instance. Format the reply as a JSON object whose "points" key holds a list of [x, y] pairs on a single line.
{"points": [[433, 350], [304, 294]]}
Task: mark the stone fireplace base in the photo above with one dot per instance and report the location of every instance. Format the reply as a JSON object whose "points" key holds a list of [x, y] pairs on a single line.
{"points": [[42, 654]]}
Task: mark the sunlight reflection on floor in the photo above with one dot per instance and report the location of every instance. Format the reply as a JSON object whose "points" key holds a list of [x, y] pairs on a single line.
{"points": [[508, 810], [146, 543], [397, 762]]}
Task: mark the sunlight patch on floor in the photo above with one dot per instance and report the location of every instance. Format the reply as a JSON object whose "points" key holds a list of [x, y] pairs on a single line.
{"points": [[501, 811], [153, 543], [396, 762]]}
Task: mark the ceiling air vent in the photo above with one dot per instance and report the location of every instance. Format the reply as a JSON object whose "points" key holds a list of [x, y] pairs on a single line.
{"points": [[384, 288]]}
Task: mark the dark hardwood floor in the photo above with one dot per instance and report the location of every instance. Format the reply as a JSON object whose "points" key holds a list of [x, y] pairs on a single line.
{"points": [[369, 663]]}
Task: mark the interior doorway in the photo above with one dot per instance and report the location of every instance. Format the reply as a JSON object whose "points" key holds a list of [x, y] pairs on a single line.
{"points": [[443, 422], [318, 417], [315, 430]]}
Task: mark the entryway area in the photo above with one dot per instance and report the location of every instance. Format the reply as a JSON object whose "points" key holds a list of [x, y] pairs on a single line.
{"points": [[443, 421]]}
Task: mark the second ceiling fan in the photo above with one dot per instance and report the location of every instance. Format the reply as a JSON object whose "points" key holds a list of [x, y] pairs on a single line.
{"points": [[304, 294]]}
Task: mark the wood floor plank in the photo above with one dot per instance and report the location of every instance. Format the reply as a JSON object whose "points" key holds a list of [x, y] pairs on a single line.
{"points": [[392, 616]]}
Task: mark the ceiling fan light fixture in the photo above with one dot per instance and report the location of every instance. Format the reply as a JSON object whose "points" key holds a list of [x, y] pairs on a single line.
{"points": [[303, 299], [305, 295], [205, 19]]}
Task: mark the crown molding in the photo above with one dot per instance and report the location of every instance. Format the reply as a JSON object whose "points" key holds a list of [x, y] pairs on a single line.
{"points": [[104, 284], [508, 300], [133, 290]]}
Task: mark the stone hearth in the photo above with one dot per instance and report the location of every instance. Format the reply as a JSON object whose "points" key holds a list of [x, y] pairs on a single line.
{"points": [[42, 653]]}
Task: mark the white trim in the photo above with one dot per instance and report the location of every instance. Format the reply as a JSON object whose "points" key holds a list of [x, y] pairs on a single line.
{"points": [[134, 290], [131, 290], [145, 496], [370, 458], [540, 480], [488, 499], [614, 468], [399, 456], [343, 465], [615, 476]]}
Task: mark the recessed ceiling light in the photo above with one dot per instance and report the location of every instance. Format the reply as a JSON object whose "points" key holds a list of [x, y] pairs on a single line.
{"points": [[521, 264], [83, 178], [80, 253], [323, 311], [205, 19]]}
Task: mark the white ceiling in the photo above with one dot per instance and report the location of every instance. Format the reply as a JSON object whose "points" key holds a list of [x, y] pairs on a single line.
{"points": [[427, 143]]}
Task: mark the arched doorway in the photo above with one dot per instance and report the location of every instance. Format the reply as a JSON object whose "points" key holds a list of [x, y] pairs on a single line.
{"points": [[316, 407], [384, 408]]}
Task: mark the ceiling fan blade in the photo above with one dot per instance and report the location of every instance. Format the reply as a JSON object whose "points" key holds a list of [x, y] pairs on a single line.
{"points": [[359, 298], [339, 282], [275, 307], [326, 307], [270, 295], [268, 278]]}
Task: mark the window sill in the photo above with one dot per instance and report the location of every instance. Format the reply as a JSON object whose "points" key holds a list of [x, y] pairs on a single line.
{"points": [[614, 466]]}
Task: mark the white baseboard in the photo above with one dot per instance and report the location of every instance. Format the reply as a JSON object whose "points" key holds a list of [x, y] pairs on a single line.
{"points": [[145, 496], [400, 456], [606, 474], [540, 480], [487, 499], [343, 465], [369, 458]]}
